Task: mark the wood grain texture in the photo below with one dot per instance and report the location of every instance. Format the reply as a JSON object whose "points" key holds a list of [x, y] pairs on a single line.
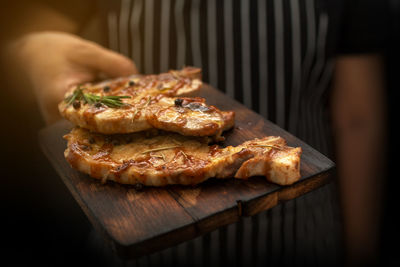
{"points": [[137, 223]]}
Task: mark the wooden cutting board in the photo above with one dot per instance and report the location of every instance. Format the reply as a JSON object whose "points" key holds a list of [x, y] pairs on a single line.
{"points": [[140, 222]]}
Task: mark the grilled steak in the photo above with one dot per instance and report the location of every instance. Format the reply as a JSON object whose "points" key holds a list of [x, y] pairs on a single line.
{"points": [[158, 158], [152, 103]]}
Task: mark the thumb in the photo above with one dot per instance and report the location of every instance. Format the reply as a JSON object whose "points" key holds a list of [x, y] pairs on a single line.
{"points": [[104, 60]]}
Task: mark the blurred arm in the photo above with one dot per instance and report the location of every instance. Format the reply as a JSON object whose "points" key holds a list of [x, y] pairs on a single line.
{"points": [[359, 118], [44, 53]]}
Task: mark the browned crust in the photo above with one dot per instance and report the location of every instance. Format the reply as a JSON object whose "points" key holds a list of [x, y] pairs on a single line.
{"points": [[184, 165], [187, 120], [142, 111]]}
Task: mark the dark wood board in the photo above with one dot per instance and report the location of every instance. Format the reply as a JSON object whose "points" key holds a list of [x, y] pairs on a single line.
{"points": [[136, 223]]}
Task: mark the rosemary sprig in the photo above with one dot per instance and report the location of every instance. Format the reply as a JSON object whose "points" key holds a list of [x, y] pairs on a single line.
{"points": [[134, 114], [158, 149], [176, 142], [147, 102], [112, 101], [163, 156], [140, 108], [270, 146], [184, 154]]}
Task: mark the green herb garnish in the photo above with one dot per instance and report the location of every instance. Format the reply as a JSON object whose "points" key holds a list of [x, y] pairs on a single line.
{"points": [[111, 101]]}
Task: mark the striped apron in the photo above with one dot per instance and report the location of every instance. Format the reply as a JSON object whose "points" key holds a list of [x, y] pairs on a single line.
{"points": [[274, 56]]}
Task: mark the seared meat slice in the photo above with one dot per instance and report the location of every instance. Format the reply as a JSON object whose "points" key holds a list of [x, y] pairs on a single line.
{"points": [[189, 116], [155, 158], [152, 103]]}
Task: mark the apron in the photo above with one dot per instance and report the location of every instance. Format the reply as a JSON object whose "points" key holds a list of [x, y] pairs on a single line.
{"points": [[274, 56]]}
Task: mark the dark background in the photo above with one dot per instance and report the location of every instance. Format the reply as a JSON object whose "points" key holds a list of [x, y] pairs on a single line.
{"points": [[391, 219], [41, 222]]}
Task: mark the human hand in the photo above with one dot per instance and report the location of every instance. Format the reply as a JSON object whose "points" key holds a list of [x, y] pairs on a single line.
{"points": [[54, 61]]}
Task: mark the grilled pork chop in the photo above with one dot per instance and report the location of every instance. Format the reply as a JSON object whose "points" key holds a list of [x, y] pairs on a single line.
{"points": [[158, 158], [150, 102]]}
